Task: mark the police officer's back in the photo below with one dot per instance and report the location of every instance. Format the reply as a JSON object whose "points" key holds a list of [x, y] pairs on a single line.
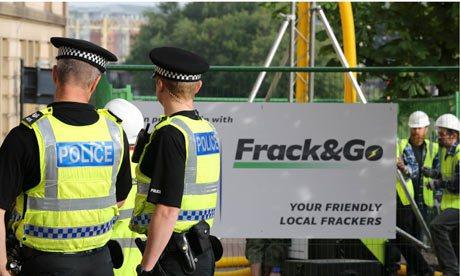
{"points": [[178, 173], [64, 169]]}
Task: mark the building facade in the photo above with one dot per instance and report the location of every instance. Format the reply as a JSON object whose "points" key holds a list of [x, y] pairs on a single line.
{"points": [[25, 30], [113, 27]]}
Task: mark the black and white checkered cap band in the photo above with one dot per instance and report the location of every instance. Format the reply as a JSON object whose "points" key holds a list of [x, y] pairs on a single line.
{"points": [[72, 52], [176, 76]]}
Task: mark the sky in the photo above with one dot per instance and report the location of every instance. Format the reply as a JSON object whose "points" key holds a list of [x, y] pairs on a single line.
{"points": [[110, 7], [104, 4]]}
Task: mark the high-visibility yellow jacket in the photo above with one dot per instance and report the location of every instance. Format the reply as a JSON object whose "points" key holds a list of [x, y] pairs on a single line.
{"points": [[124, 236], [202, 173], [431, 152], [449, 162], [377, 246], [73, 208]]}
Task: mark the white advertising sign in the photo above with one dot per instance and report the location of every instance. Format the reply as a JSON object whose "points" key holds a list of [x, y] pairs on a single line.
{"points": [[303, 170]]}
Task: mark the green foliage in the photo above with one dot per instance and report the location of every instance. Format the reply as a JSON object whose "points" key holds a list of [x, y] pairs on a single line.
{"points": [[387, 34], [404, 34], [223, 33]]}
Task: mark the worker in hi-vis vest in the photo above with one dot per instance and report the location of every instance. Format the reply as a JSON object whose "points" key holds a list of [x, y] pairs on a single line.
{"points": [[447, 222], [65, 170], [414, 155], [132, 123], [178, 173]]}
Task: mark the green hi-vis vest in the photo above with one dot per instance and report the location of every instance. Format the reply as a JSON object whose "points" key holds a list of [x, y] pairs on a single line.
{"points": [[431, 152], [448, 163], [377, 245], [202, 173], [125, 237], [74, 207]]}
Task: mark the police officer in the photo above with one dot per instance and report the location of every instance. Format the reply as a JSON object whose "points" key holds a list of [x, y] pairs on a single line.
{"points": [[65, 169], [178, 173], [132, 123], [447, 221]]}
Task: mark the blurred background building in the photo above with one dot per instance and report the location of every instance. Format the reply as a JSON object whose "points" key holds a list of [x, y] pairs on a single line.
{"points": [[25, 30], [113, 27]]}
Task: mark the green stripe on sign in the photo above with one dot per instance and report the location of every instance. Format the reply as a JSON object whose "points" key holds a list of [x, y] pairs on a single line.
{"points": [[286, 165]]}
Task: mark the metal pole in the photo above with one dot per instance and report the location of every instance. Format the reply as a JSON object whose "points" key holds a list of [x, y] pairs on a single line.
{"points": [[412, 239], [292, 53], [269, 59], [311, 81], [414, 207], [339, 52], [276, 78], [457, 105]]}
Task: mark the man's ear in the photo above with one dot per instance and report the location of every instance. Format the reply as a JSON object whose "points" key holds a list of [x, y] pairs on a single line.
{"points": [[198, 86], [54, 74], [94, 84]]}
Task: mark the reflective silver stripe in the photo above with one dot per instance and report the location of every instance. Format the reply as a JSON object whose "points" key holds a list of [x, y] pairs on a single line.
{"points": [[190, 185], [53, 204], [201, 189], [191, 162], [116, 138], [51, 175], [124, 214], [126, 242]]}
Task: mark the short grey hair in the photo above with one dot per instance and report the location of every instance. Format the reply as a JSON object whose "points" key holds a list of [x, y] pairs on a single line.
{"points": [[77, 72]]}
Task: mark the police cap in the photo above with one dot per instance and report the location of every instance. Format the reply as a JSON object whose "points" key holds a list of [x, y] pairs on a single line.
{"points": [[178, 64], [83, 50]]}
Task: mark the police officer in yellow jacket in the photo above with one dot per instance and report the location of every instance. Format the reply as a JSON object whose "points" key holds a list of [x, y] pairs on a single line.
{"points": [[132, 123], [448, 220], [178, 173], [65, 170]]}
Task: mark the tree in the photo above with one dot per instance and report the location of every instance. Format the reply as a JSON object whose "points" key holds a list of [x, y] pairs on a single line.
{"points": [[223, 33], [405, 34], [387, 34]]}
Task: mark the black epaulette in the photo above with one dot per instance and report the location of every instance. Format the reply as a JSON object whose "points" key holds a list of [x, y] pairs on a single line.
{"points": [[32, 118], [115, 116]]}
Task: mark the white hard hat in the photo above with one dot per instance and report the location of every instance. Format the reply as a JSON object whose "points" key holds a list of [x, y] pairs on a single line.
{"points": [[448, 121], [418, 119], [133, 121]]}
